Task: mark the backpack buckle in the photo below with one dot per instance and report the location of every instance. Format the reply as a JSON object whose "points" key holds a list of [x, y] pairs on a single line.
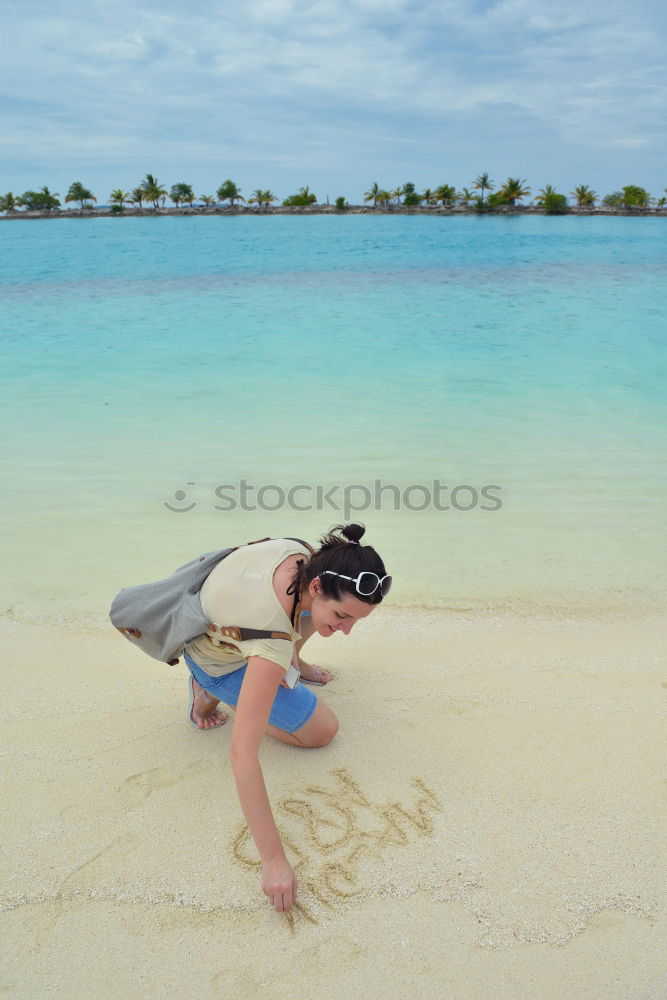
{"points": [[228, 631]]}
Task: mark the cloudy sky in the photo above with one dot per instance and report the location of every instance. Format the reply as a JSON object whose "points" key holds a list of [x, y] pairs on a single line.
{"points": [[334, 94]]}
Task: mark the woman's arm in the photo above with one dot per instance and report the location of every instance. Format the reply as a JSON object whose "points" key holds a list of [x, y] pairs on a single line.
{"points": [[252, 716], [309, 671]]}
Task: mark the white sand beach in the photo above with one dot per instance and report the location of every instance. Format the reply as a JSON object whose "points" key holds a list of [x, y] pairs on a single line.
{"points": [[486, 824]]}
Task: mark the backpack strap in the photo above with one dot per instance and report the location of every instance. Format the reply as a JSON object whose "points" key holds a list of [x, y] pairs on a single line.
{"points": [[288, 538], [242, 634], [306, 545]]}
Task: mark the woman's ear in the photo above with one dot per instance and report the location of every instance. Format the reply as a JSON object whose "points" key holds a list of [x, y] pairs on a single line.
{"points": [[315, 587]]}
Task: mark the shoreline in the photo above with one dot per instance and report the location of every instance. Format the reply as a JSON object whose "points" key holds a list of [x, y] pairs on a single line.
{"points": [[604, 606], [226, 210]]}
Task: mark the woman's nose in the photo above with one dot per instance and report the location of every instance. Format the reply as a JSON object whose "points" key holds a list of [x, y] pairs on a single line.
{"points": [[346, 627]]}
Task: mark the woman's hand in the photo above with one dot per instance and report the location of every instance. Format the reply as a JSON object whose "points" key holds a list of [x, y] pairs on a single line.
{"points": [[279, 883]]}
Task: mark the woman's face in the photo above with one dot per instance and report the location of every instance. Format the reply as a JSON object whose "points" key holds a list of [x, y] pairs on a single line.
{"points": [[331, 616]]}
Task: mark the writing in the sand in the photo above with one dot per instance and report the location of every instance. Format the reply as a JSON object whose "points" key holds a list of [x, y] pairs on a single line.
{"points": [[327, 830]]}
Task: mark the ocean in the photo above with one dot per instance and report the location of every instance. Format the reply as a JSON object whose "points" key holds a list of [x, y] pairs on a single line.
{"points": [[486, 394]]}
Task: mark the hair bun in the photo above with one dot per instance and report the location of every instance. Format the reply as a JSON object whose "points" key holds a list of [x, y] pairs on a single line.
{"points": [[338, 562], [353, 532]]}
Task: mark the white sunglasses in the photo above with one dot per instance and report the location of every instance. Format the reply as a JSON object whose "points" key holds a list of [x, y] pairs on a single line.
{"points": [[368, 586]]}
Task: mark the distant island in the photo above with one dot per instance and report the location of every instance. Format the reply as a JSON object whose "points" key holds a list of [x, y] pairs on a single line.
{"points": [[222, 210], [149, 199]]}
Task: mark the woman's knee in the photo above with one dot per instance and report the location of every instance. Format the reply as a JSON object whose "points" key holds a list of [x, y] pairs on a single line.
{"points": [[320, 729], [329, 728]]}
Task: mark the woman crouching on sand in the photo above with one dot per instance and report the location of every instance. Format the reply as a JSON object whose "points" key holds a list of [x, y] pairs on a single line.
{"points": [[280, 585]]}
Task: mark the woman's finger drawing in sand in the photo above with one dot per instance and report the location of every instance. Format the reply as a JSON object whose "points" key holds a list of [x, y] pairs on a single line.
{"points": [[285, 587]]}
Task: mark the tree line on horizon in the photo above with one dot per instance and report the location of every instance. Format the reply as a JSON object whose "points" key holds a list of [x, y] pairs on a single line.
{"points": [[483, 196]]}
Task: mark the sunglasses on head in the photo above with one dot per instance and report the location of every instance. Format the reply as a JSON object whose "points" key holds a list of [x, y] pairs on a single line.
{"points": [[366, 583]]}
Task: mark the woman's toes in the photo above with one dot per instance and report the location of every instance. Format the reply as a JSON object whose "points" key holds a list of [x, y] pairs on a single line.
{"points": [[216, 720]]}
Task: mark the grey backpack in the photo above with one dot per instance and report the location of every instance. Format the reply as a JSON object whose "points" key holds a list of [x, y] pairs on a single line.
{"points": [[162, 617]]}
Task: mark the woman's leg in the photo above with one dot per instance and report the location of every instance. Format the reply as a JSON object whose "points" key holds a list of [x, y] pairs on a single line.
{"points": [[297, 717], [320, 729], [205, 713]]}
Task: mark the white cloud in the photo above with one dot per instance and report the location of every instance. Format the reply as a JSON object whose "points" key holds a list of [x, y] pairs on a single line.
{"points": [[274, 76]]}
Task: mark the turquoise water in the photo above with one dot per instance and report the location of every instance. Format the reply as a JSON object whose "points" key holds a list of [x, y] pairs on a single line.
{"points": [[146, 363]]}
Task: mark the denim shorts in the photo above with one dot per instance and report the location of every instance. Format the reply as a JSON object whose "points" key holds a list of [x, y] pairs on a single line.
{"points": [[291, 707]]}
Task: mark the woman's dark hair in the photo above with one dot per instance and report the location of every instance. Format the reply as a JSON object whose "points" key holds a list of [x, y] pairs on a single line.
{"points": [[341, 555]]}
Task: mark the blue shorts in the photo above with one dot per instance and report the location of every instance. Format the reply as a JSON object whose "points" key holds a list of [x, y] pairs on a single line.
{"points": [[291, 707]]}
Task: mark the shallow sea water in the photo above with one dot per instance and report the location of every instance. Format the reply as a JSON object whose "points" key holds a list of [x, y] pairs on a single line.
{"points": [[404, 364]]}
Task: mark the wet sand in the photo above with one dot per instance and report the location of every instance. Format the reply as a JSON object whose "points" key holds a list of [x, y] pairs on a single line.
{"points": [[487, 824]]}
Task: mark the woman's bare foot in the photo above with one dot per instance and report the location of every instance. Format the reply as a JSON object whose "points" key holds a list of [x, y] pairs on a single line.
{"points": [[205, 714], [311, 672]]}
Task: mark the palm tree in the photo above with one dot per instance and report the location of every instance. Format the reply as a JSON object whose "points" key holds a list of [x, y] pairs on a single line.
{"points": [[384, 197], [584, 196], [410, 195], [78, 192], [544, 194], [137, 196], [613, 200], [8, 202], [482, 183], [465, 197], [635, 197], [514, 189], [373, 194], [303, 197], [182, 192], [41, 201], [208, 199], [49, 200], [551, 201], [153, 190], [261, 198], [229, 192], [308, 196], [119, 198], [427, 196], [446, 194]]}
